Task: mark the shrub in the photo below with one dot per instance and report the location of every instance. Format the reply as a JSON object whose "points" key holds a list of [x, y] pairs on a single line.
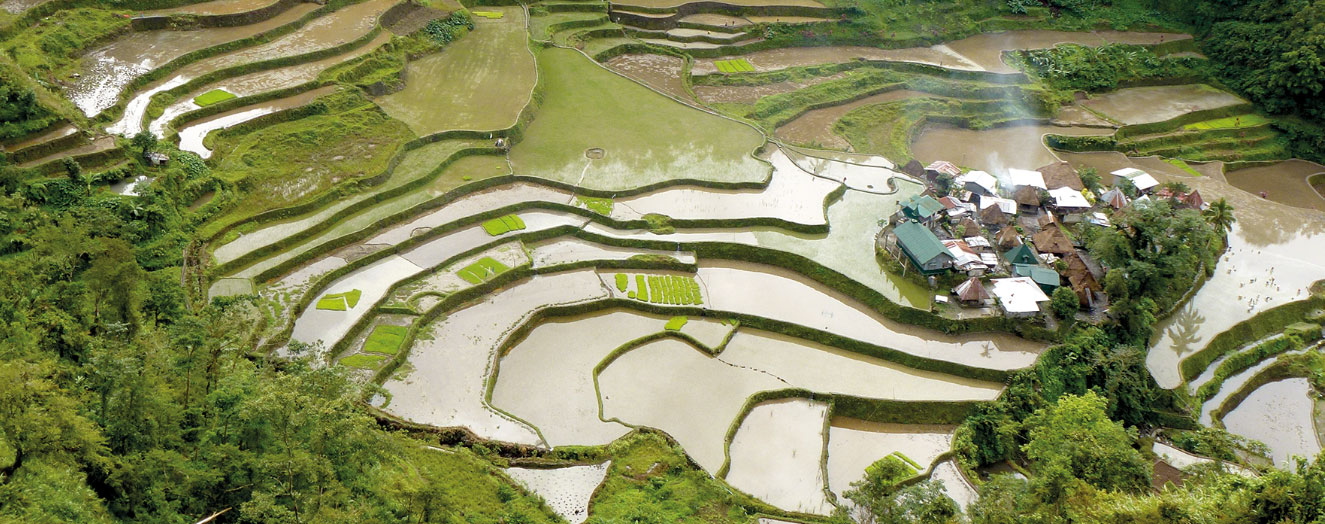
{"points": [[1064, 302]]}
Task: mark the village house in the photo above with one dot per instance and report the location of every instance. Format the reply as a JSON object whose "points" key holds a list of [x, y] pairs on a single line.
{"points": [[971, 293], [1084, 276], [978, 182], [921, 208], [922, 248], [1052, 240], [1022, 254], [1046, 278], [1141, 179], [1061, 174], [1019, 297]]}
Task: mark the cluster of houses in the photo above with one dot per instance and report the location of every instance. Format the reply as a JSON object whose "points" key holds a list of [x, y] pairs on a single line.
{"points": [[1016, 232]]}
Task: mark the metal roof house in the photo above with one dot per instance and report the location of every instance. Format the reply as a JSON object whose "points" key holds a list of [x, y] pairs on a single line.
{"points": [[921, 207], [1046, 278], [1021, 254], [926, 252]]}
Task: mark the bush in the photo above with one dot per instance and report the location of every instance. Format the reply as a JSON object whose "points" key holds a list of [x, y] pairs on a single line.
{"points": [[1064, 302]]}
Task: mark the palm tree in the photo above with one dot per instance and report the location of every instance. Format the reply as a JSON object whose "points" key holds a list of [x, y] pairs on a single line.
{"points": [[1220, 214]]}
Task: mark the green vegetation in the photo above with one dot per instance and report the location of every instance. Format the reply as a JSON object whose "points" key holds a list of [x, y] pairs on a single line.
{"points": [[676, 323], [887, 128], [362, 361], [494, 15], [1240, 361], [1072, 67], [652, 481], [622, 282], [1182, 164], [214, 96], [385, 339], [338, 301], [443, 31], [584, 106], [20, 112], [667, 289], [50, 50], [739, 65], [1230, 122], [483, 270], [602, 206], [504, 224]]}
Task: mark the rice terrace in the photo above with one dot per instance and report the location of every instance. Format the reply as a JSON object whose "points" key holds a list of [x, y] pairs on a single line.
{"points": [[662, 261]]}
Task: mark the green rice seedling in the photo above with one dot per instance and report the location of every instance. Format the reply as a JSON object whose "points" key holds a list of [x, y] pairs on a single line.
{"points": [[332, 303], [482, 270], [362, 361], [724, 66], [742, 65], [656, 292], [602, 206], [642, 290], [212, 97], [676, 323], [491, 15], [385, 339], [503, 225], [622, 282], [352, 297]]}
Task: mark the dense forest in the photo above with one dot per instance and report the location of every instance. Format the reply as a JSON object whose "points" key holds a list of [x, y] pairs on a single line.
{"points": [[127, 398]]}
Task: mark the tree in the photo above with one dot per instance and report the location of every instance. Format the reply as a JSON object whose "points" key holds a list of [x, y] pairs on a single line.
{"points": [[144, 142], [1064, 302], [1220, 215], [1074, 439]]}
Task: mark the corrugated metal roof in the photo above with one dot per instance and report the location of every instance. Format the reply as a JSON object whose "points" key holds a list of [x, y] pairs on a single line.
{"points": [[919, 241]]}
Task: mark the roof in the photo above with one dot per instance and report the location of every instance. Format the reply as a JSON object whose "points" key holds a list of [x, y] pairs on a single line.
{"points": [[1194, 200], [1068, 197], [1043, 276], [922, 206], [993, 215], [972, 290], [1061, 174], [945, 167], [950, 202], [1128, 172], [1053, 240], [1008, 238], [962, 255], [919, 242], [1022, 254], [968, 228], [1027, 196], [1007, 205], [1024, 177], [979, 178], [1144, 182], [1114, 198], [1019, 295], [977, 241]]}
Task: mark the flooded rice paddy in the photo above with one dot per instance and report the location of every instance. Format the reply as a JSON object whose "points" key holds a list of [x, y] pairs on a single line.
{"points": [[815, 127], [1140, 105], [993, 150], [105, 71], [854, 445], [480, 82], [1280, 415], [191, 136], [775, 455], [215, 7], [1284, 182], [659, 72], [673, 3], [566, 490], [986, 50]]}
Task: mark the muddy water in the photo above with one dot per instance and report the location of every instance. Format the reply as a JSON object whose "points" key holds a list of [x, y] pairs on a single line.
{"points": [[1139, 105], [1285, 182], [330, 30], [480, 82], [793, 298], [987, 49], [571, 250], [191, 137], [816, 127], [447, 280], [1280, 415], [450, 365], [775, 455], [259, 82], [751, 94], [1232, 384], [96, 146], [566, 490], [215, 7], [1271, 260], [855, 444], [558, 358], [661, 72], [1075, 115], [757, 19], [106, 70], [715, 20], [993, 150], [774, 59], [955, 484]]}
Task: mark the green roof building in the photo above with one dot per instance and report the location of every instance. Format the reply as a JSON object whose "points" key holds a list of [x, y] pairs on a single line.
{"points": [[921, 207], [1021, 255], [1046, 278], [926, 252]]}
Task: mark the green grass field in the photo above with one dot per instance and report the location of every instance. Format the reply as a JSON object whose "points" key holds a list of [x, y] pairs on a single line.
{"points": [[647, 138], [1231, 122], [212, 97], [479, 82], [503, 225], [482, 271], [385, 339]]}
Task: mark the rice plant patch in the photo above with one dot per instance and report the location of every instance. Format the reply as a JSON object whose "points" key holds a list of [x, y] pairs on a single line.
{"points": [[664, 289], [503, 225], [491, 15], [362, 361], [602, 206], [483, 270], [339, 301], [622, 282], [212, 97], [739, 65], [385, 339], [676, 323]]}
